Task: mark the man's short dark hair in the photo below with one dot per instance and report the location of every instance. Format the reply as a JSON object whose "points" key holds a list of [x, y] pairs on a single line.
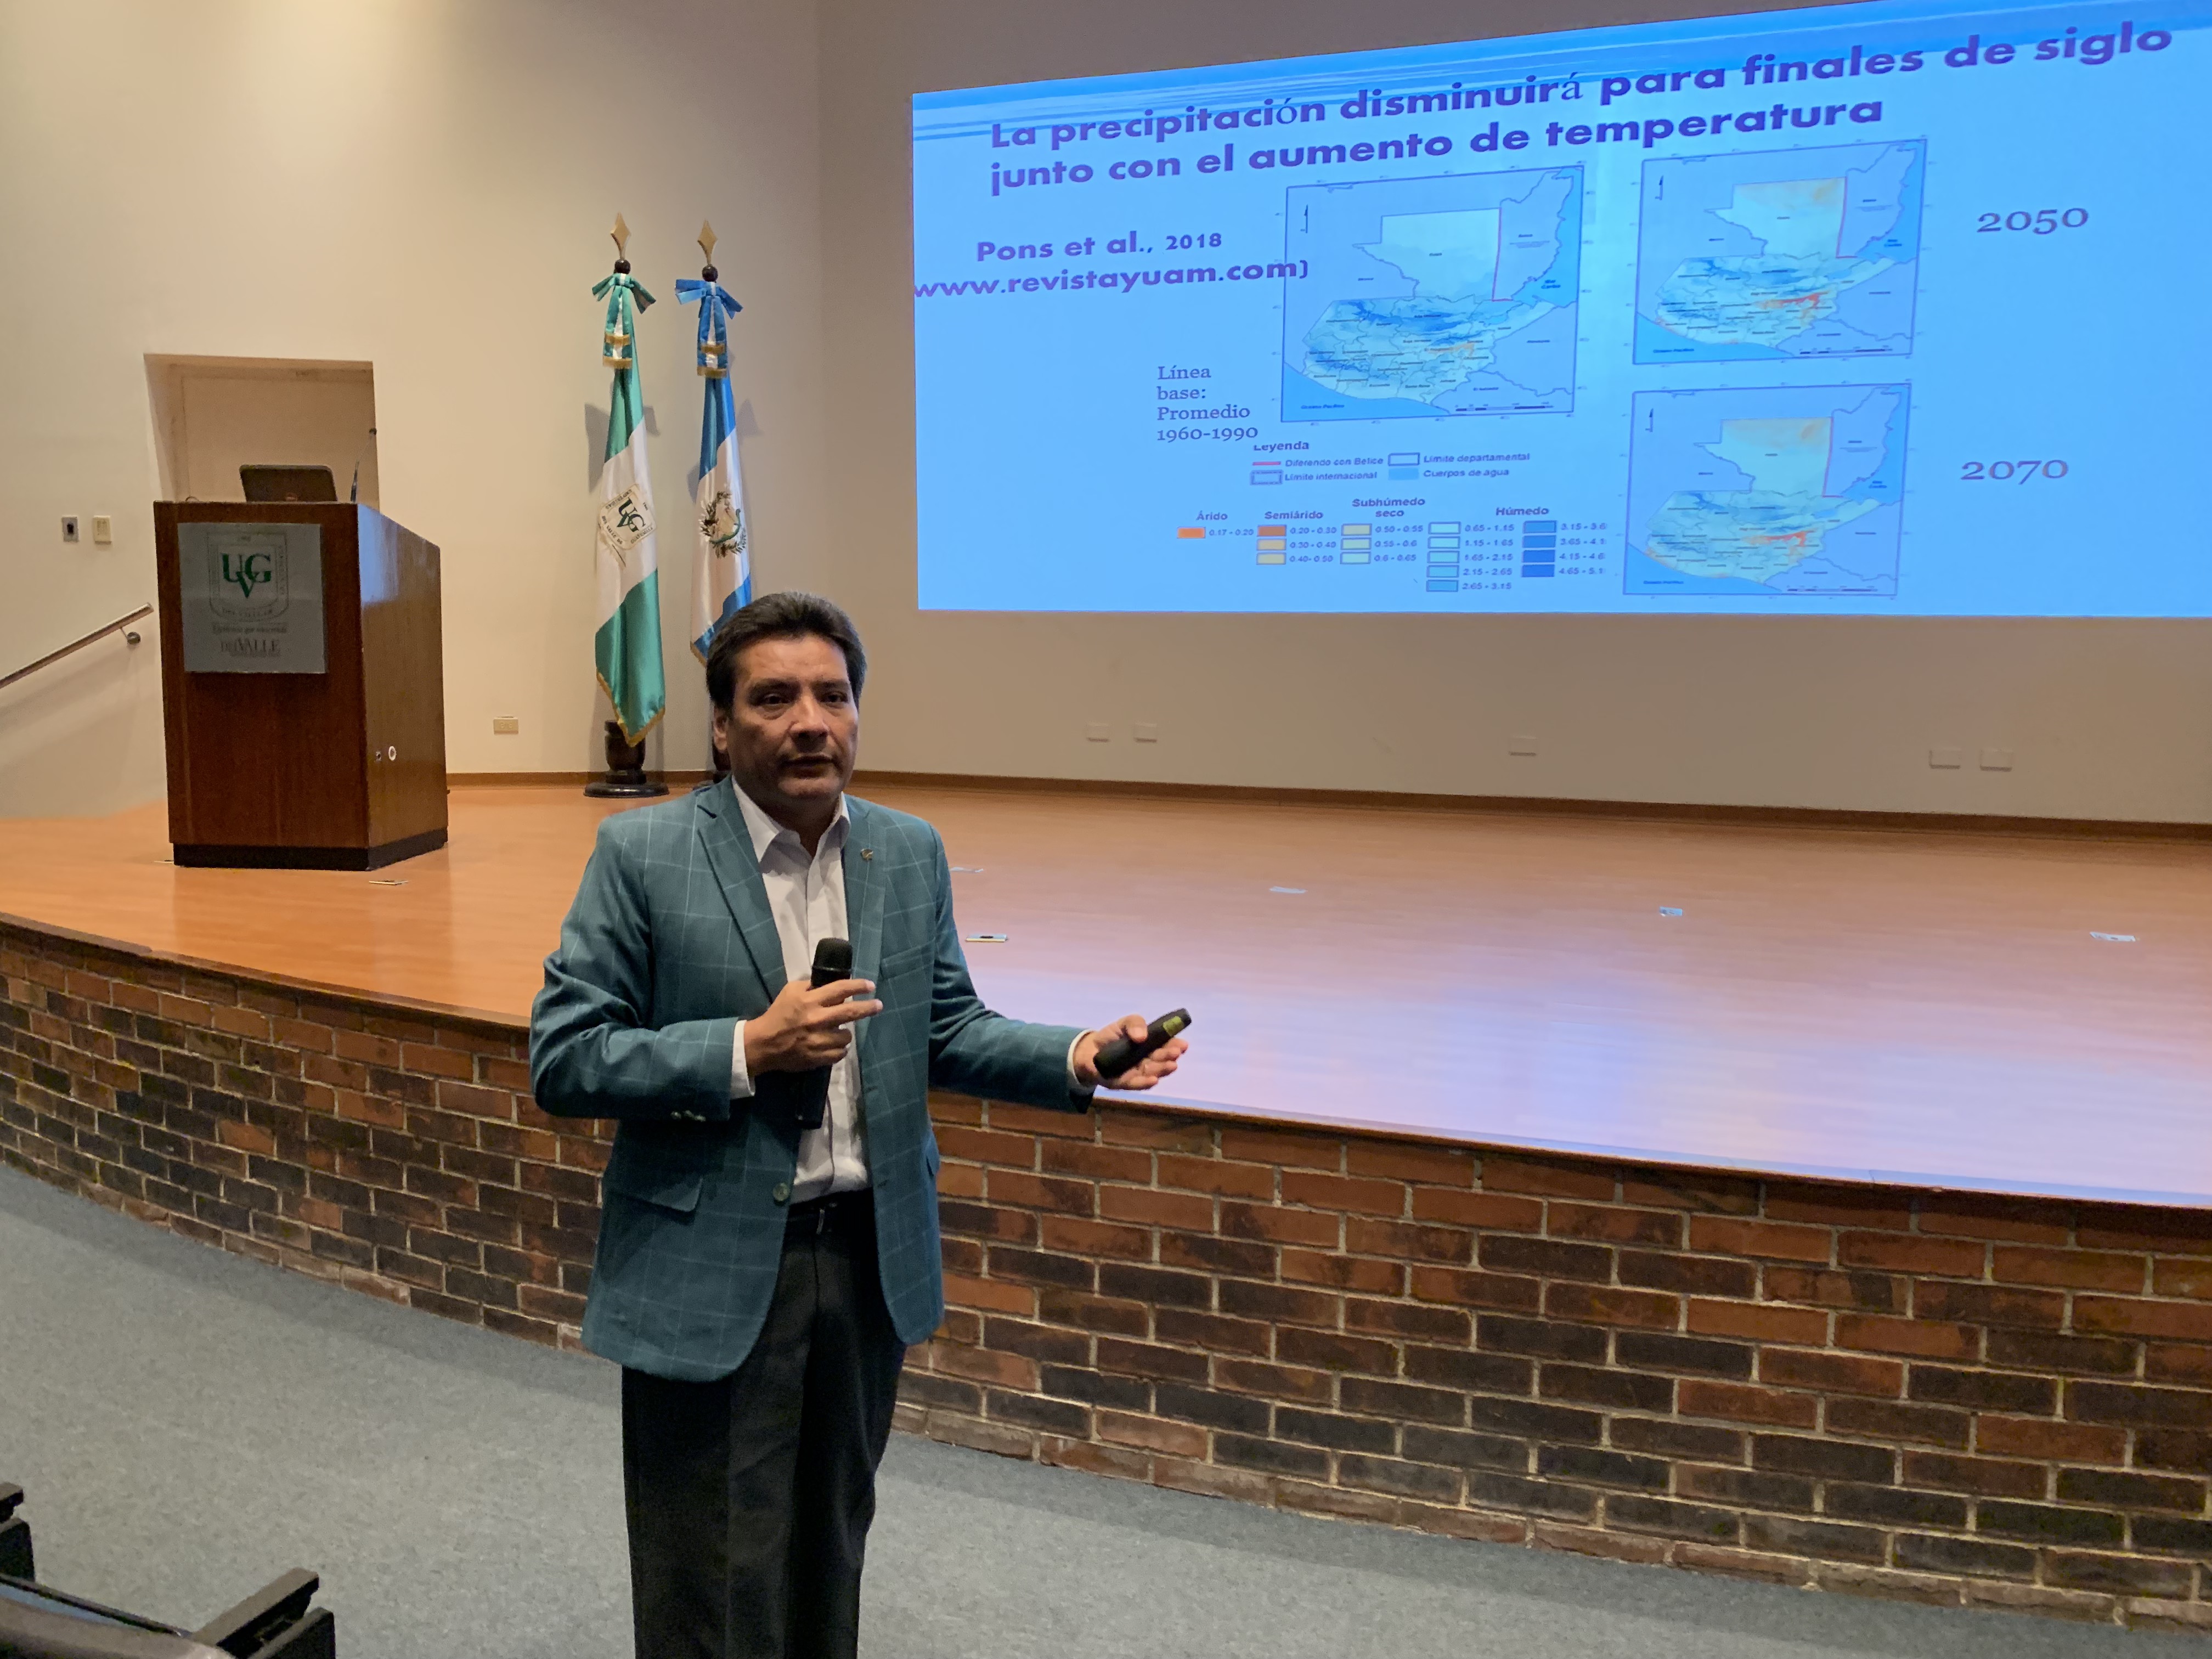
{"points": [[781, 616]]}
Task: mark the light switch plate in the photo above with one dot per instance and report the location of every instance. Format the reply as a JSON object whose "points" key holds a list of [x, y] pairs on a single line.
{"points": [[506, 725], [1997, 760], [69, 529], [1524, 744], [1098, 732], [1943, 758], [103, 529], [1145, 732]]}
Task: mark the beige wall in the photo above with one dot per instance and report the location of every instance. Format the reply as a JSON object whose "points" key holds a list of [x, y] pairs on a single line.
{"points": [[423, 185], [2106, 719], [213, 416]]}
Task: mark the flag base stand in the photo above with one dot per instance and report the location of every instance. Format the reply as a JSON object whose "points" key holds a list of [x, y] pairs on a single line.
{"points": [[625, 773]]}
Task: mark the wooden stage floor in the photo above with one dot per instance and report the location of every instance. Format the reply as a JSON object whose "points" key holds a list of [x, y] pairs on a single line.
{"points": [[1932, 1008]]}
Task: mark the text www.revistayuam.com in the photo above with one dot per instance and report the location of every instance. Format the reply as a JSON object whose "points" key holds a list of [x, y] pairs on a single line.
{"points": [[1111, 282]]}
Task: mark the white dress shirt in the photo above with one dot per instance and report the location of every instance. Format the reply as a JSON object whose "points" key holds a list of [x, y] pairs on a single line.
{"points": [[806, 896]]}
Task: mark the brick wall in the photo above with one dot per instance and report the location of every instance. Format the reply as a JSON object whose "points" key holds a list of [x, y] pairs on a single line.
{"points": [[1912, 1394], [395, 1151], [1928, 1395]]}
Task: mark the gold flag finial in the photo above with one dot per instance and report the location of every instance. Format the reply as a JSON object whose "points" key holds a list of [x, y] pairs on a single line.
{"points": [[620, 233], [706, 239]]}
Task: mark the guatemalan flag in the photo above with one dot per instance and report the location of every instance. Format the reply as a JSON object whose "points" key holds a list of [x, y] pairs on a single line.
{"points": [[627, 642], [723, 580]]}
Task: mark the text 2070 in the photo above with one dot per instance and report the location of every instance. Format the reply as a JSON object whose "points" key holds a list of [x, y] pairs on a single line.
{"points": [[2009, 471]]}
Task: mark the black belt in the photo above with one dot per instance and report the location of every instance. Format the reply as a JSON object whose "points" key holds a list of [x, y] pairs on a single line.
{"points": [[832, 1212]]}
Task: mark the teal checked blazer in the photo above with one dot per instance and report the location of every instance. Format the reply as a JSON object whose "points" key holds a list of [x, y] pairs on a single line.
{"points": [[669, 944]]}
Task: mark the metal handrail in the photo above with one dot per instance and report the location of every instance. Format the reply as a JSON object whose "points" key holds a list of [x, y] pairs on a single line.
{"points": [[97, 634]]}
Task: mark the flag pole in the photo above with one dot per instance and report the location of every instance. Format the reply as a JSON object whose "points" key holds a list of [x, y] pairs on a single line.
{"points": [[626, 643], [721, 570]]}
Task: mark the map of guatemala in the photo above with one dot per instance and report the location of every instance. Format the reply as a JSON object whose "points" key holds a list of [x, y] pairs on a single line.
{"points": [[1788, 490], [1420, 297], [1788, 253]]}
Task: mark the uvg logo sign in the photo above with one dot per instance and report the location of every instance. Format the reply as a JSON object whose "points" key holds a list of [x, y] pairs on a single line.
{"points": [[248, 571], [248, 577]]}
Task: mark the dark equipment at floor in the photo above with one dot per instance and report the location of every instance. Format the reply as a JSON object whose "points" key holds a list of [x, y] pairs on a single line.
{"points": [[39, 1622]]}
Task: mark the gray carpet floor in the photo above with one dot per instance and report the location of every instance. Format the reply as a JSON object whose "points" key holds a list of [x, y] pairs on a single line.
{"points": [[186, 1424]]}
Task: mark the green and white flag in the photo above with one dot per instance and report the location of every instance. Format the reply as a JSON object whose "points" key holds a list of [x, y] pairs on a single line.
{"points": [[628, 643]]}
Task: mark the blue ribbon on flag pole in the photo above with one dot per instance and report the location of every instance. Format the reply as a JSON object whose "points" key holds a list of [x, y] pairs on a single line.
{"points": [[716, 306]]}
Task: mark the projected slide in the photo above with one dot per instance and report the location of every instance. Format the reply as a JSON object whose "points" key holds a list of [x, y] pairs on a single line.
{"points": [[1887, 309]]}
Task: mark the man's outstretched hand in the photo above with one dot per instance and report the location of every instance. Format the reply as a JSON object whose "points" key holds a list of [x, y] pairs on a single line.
{"points": [[1145, 1073]]}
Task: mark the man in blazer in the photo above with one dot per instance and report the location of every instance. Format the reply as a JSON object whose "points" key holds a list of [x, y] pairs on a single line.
{"points": [[759, 1280]]}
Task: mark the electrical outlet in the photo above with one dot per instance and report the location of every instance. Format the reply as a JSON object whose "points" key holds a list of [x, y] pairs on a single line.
{"points": [[1145, 732], [69, 529], [1944, 759], [1524, 744], [506, 725], [1997, 760], [1098, 732], [103, 529]]}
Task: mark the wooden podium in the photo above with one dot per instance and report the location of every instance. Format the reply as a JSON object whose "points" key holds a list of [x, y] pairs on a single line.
{"points": [[303, 685]]}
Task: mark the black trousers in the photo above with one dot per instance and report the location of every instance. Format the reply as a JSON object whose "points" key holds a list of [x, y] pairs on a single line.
{"points": [[748, 1498]]}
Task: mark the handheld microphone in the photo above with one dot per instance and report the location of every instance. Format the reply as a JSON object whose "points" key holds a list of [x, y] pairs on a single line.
{"points": [[1119, 1054], [833, 961]]}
